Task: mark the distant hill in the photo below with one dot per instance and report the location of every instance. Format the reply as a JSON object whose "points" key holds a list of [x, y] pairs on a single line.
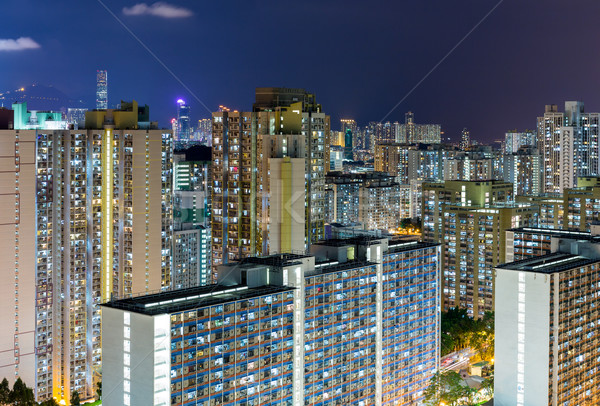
{"points": [[40, 97]]}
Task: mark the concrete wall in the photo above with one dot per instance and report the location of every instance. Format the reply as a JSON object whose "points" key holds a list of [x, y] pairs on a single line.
{"points": [[17, 256], [141, 358], [532, 304]]}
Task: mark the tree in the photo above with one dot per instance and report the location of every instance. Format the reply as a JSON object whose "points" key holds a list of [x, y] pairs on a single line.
{"points": [[99, 390], [487, 386], [75, 401], [21, 395], [450, 388], [4, 392], [482, 339]]}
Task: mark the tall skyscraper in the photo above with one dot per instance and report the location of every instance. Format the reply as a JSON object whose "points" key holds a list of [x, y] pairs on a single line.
{"points": [[76, 117], [348, 124], [348, 151], [465, 139], [354, 323], [470, 219], [101, 89], [184, 130], [191, 217], [524, 169], [245, 146], [582, 204], [469, 166], [90, 218], [546, 324], [569, 145], [205, 131], [371, 199], [412, 133], [514, 140]]}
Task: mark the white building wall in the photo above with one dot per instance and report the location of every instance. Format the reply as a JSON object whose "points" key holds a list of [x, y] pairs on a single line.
{"points": [[17, 256], [129, 359], [522, 326]]}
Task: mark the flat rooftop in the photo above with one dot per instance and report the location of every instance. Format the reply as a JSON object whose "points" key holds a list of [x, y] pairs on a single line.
{"points": [[336, 266], [192, 298], [402, 246], [277, 260], [560, 233], [358, 240], [549, 264]]}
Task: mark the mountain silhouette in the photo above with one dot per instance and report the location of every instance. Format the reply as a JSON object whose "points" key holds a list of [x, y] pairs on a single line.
{"points": [[40, 97]]}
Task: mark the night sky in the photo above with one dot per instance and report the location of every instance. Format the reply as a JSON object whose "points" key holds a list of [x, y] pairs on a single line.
{"points": [[359, 57]]}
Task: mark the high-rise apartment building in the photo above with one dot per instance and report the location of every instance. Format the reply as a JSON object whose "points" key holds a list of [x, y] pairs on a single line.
{"points": [[370, 199], [469, 193], [204, 131], [514, 140], [474, 243], [469, 166], [413, 161], [470, 220], [530, 242], [356, 322], [582, 204], [287, 124], [191, 217], [101, 89], [76, 117], [87, 216], [552, 208], [412, 133], [568, 142], [524, 169], [546, 324], [465, 139]]}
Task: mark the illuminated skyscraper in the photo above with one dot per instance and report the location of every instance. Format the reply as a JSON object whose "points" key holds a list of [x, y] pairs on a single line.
{"points": [[354, 323], [470, 219], [524, 169], [371, 199], [101, 89], [569, 145], [76, 117], [465, 139], [517, 139], [348, 153], [183, 121], [349, 124], [249, 181], [90, 218], [205, 131], [412, 133], [546, 324]]}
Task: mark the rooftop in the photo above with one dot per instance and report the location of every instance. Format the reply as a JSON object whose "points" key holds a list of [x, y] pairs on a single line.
{"points": [[549, 264], [408, 246], [277, 260], [191, 298], [358, 240], [554, 232], [336, 266]]}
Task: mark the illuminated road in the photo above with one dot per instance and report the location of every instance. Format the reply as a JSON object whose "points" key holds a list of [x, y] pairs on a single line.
{"points": [[456, 361]]}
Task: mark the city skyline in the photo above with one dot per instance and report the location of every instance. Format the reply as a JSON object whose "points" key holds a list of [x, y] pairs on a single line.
{"points": [[357, 32], [322, 203]]}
